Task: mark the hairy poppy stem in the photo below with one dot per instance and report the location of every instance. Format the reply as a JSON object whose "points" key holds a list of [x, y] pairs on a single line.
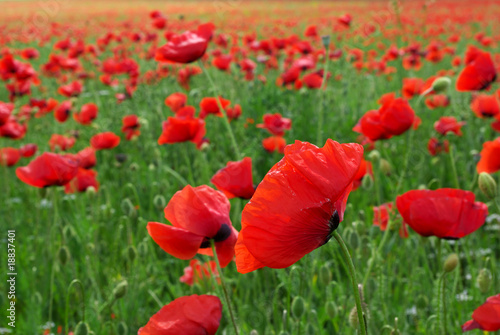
{"points": [[82, 291], [319, 140], [409, 146], [224, 115], [443, 302], [376, 253], [223, 284], [354, 282], [454, 168], [52, 270]]}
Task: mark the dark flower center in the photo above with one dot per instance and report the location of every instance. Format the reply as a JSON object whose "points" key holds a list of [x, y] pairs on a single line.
{"points": [[333, 223], [222, 234]]}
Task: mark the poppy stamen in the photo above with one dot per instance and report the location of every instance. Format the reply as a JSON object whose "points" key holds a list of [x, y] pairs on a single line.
{"points": [[222, 234]]}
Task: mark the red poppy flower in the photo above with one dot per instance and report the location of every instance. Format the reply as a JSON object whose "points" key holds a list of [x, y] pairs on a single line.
{"points": [[61, 142], [274, 143], [485, 106], [9, 156], [197, 272], [83, 180], [235, 180], [313, 80], [382, 215], [176, 101], [106, 140], [486, 317], [479, 72], [222, 62], [87, 114], [195, 314], [396, 116], [210, 106], [177, 130], [61, 113], [131, 126], [446, 213], [490, 157], [48, 169], [437, 101], [198, 215], [412, 87], [5, 112], [448, 124], [365, 168], [28, 150], [434, 146], [371, 126], [298, 204], [275, 124], [185, 48], [13, 130], [233, 113], [73, 89]]}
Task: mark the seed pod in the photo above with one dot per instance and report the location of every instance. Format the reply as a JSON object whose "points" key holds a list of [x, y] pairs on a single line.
{"points": [[487, 185], [374, 156], [441, 84], [385, 167], [451, 263], [484, 280]]}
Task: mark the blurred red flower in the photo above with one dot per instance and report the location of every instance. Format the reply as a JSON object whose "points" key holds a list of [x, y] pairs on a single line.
{"points": [[274, 143], [478, 73], [83, 180], [48, 169], [486, 317], [448, 124], [197, 272], [275, 124], [106, 140], [87, 114], [490, 157], [9, 156], [177, 130], [131, 126], [485, 105], [176, 101], [235, 180]]}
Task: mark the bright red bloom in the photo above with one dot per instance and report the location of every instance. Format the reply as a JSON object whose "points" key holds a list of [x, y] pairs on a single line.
{"points": [[434, 146], [235, 180], [177, 130], [371, 126], [176, 101], [298, 204], [197, 272], [185, 48], [13, 130], [364, 168], [485, 106], [412, 87], [313, 80], [233, 113], [106, 140], [198, 215], [61, 113], [448, 124], [274, 143], [131, 126], [396, 116], [195, 314], [28, 150], [87, 114], [222, 62], [479, 72], [382, 215], [490, 157], [9, 156], [73, 89], [5, 112], [83, 180], [446, 213], [48, 169], [61, 142], [486, 317], [275, 124], [210, 106], [437, 101]]}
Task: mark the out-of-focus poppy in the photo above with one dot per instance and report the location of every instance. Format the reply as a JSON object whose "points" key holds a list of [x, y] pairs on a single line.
{"points": [[371, 126], [48, 169], [9, 156], [106, 140], [198, 215], [485, 105], [300, 202], [448, 124], [210, 106], [274, 143], [194, 314], [412, 87], [197, 272], [131, 126], [435, 146], [83, 180], [437, 101], [446, 213], [235, 180], [396, 116], [276, 124], [478, 73], [87, 114], [486, 317], [12, 129], [28, 150], [365, 168], [176, 101], [61, 142], [62, 111], [177, 130], [184, 48], [233, 113], [382, 215], [5, 112], [490, 157], [73, 89]]}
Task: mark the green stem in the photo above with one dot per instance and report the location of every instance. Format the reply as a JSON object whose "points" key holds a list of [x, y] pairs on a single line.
{"points": [[352, 273], [454, 168], [223, 284], [52, 253], [217, 99], [319, 140], [376, 253], [82, 290], [409, 143], [443, 302]]}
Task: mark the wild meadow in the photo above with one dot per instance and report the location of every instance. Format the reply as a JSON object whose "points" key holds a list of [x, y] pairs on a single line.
{"points": [[249, 167]]}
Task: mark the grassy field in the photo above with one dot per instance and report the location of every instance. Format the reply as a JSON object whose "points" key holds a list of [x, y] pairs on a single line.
{"points": [[100, 238]]}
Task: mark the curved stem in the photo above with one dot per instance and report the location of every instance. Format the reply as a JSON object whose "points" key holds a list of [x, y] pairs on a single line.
{"points": [[319, 140], [82, 291], [352, 273], [224, 115], [223, 284], [376, 253]]}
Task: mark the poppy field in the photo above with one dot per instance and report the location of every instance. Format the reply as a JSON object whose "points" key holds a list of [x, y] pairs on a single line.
{"points": [[249, 167]]}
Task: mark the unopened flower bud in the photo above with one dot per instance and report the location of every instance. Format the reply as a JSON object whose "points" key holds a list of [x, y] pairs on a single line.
{"points": [[325, 275], [353, 318], [82, 328], [451, 263], [374, 156], [122, 328], [385, 167], [487, 185], [298, 307], [367, 182], [120, 289], [441, 84], [128, 208], [326, 41], [63, 255], [159, 202], [331, 309], [484, 280], [131, 253]]}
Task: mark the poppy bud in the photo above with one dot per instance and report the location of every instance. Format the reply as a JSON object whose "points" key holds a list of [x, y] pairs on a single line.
{"points": [[331, 309], [120, 289], [367, 182], [487, 185], [484, 280], [310, 329], [128, 208], [159, 202], [131, 253], [298, 307], [122, 328], [142, 249], [374, 156], [91, 191], [325, 275], [451, 263], [326, 41], [354, 240], [254, 332], [353, 318], [82, 328], [385, 167], [441, 84], [63, 255], [395, 332]]}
